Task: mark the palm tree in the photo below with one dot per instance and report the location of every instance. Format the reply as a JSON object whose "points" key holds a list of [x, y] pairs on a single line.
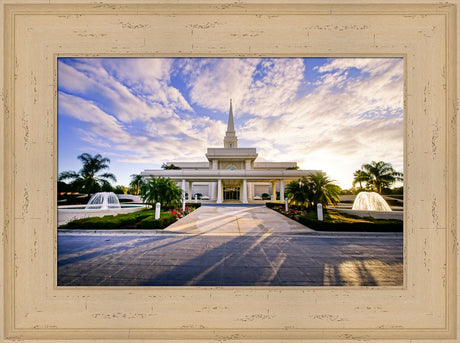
{"points": [[360, 176], [299, 192], [323, 189], [162, 190], [381, 175], [86, 179], [313, 190], [169, 166], [136, 181]]}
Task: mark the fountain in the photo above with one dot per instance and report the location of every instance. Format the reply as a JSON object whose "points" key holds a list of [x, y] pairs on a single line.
{"points": [[370, 201], [103, 201], [99, 205]]}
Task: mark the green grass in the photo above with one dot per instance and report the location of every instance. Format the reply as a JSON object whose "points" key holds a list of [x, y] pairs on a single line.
{"points": [[335, 221], [144, 219]]}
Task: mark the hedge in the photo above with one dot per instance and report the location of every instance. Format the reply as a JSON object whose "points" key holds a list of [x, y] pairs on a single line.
{"points": [[121, 221], [150, 223], [334, 221], [375, 226], [274, 204]]}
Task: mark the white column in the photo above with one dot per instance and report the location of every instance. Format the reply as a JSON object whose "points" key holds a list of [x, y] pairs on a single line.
{"points": [[183, 186], [212, 191], [281, 190], [213, 185], [219, 191], [245, 192], [190, 190], [274, 190]]}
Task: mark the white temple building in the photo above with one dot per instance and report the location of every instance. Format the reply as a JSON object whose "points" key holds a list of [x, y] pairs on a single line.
{"points": [[231, 173]]}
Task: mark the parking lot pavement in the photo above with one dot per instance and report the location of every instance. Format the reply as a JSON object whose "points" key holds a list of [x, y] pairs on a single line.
{"points": [[256, 259]]}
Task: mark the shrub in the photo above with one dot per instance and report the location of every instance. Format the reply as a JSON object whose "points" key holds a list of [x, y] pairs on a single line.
{"points": [[98, 223], [144, 219], [349, 223], [265, 196], [275, 204], [150, 223], [335, 221], [193, 205], [110, 222]]}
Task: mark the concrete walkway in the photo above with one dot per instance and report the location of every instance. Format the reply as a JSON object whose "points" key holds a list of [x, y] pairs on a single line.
{"points": [[236, 221]]}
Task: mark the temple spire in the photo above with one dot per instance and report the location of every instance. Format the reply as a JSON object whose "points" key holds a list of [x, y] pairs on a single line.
{"points": [[230, 125], [230, 139]]}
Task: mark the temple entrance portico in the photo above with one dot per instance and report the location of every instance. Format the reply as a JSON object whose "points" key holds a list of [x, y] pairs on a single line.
{"points": [[231, 187]]}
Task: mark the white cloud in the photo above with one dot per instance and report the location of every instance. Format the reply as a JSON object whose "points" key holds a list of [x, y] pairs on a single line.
{"points": [[145, 96], [343, 123], [133, 109], [171, 138], [258, 87]]}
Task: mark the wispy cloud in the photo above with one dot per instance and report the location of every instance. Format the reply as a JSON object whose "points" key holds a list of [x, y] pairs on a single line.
{"points": [[334, 117]]}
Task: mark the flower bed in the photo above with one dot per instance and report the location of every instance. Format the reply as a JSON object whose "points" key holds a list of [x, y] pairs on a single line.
{"points": [[180, 214]]}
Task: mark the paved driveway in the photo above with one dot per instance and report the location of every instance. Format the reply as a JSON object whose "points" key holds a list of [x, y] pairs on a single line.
{"points": [[230, 246], [236, 220]]}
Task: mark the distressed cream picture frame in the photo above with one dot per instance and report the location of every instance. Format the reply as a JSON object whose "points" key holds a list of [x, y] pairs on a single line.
{"points": [[35, 34]]}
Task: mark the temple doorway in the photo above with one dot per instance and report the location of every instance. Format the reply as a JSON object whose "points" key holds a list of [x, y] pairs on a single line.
{"points": [[231, 193]]}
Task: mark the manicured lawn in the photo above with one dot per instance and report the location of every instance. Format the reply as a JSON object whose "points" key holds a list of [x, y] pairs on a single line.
{"points": [[141, 220], [336, 221]]}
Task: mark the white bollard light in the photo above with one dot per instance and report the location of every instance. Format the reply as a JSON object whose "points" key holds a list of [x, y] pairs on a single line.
{"points": [[319, 209], [157, 210], [196, 198], [286, 207]]}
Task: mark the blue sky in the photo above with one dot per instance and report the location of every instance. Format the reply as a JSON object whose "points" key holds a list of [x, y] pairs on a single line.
{"points": [[324, 113]]}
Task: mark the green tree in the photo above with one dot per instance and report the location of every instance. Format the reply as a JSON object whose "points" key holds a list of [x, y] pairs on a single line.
{"points": [[379, 175], [136, 182], [120, 189], [360, 176], [162, 190], [324, 191], [169, 166], [312, 190], [300, 192], [86, 179]]}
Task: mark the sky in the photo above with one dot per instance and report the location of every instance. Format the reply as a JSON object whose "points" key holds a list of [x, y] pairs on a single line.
{"points": [[329, 114]]}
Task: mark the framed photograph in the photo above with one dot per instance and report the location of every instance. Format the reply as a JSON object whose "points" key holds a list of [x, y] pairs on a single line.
{"points": [[319, 120], [38, 38]]}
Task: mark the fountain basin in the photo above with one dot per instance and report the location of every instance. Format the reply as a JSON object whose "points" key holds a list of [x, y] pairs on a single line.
{"points": [[398, 215]]}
